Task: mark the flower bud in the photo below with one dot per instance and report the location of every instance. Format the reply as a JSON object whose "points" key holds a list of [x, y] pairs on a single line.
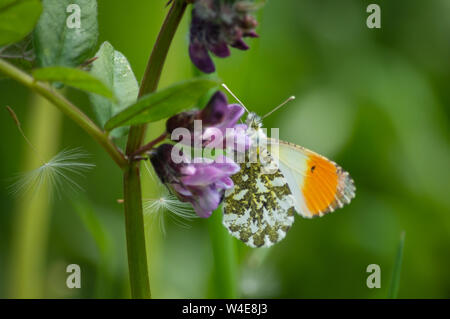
{"points": [[218, 122], [216, 25]]}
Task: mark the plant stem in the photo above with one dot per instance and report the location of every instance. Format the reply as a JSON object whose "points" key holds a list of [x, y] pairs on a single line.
{"points": [[224, 270], [67, 108], [155, 64], [32, 217], [137, 254], [395, 280], [150, 145], [134, 225]]}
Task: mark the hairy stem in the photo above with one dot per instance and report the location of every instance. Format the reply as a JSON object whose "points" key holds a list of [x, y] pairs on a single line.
{"points": [[66, 107], [137, 255]]}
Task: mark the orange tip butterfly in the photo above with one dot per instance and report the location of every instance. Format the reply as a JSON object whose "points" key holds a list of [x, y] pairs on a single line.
{"points": [[288, 178]]}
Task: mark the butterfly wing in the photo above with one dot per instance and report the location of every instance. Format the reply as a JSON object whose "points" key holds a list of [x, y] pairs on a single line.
{"points": [[259, 210], [319, 185]]}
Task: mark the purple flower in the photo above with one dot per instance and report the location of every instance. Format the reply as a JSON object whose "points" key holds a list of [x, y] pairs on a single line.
{"points": [[215, 25], [218, 124], [199, 182]]}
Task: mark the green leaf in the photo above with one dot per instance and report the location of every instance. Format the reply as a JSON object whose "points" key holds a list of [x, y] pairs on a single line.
{"points": [[19, 54], [225, 277], [58, 40], [395, 281], [113, 69], [17, 19], [73, 77], [167, 102], [92, 221]]}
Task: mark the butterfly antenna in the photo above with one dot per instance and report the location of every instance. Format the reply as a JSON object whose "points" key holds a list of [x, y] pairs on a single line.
{"points": [[235, 97], [279, 106]]}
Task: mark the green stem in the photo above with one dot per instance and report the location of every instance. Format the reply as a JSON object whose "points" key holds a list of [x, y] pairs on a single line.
{"points": [[149, 146], [137, 254], [134, 225], [66, 107], [33, 212], [395, 280], [224, 270], [155, 64]]}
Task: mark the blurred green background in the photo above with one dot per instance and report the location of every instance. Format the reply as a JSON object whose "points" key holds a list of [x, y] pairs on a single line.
{"points": [[375, 101]]}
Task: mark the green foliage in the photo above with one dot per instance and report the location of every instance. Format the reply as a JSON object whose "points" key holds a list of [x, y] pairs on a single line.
{"points": [[73, 77], [156, 106], [113, 69], [17, 19], [19, 54], [19, 63], [93, 225], [224, 254], [56, 43], [395, 281]]}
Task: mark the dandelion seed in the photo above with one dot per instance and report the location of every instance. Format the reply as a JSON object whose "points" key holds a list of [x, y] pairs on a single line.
{"points": [[57, 174], [166, 204], [179, 211]]}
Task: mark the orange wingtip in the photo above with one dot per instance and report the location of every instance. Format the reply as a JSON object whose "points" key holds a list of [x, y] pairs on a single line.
{"points": [[326, 186]]}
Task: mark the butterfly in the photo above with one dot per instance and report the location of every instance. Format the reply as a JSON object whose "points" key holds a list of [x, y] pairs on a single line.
{"points": [[286, 178]]}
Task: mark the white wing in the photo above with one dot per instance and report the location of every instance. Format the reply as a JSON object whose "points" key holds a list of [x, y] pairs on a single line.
{"points": [[259, 210]]}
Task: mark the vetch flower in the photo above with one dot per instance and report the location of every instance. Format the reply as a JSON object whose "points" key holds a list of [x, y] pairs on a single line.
{"points": [[218, 126], [199, 182], [217, 24]]}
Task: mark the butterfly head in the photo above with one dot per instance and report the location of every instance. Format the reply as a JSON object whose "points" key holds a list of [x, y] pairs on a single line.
{"points": [[253, 121]]}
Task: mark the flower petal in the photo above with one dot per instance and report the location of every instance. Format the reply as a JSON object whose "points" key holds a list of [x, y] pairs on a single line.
{"points": [[226, 165], [206, 202], [215, 110], [200, 57], [240, 44], [205, 175], [251, 34], [233, 114], [213, 137], [220, 50], [181, 190], [188, 170], [225, 183], [209, 173], [235, 111]]}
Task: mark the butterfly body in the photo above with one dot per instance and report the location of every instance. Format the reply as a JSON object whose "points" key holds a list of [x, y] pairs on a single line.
{"points": [[276, 179]]}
